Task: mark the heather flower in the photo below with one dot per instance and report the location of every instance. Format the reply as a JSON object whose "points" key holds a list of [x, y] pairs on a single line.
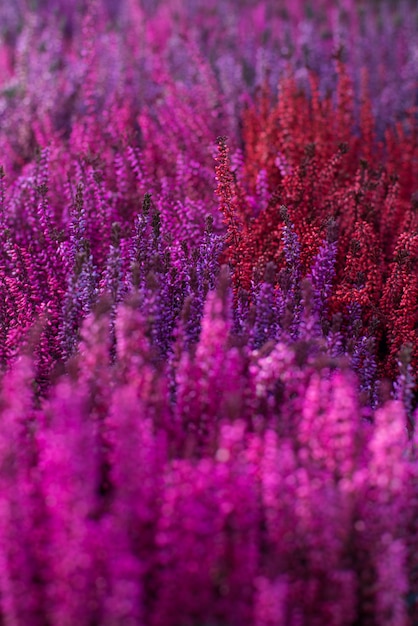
{"points": [[267, 311], [68, 467], [323, 271], [21, 552], [208, 395]]}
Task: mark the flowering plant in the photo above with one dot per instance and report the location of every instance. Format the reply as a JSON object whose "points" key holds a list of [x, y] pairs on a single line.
{"points": [[208, 313]]}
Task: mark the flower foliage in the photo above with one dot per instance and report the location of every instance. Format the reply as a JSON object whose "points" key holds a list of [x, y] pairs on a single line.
{"points": [[208, 313]]}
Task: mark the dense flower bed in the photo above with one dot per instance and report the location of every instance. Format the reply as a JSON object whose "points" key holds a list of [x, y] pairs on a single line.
{"points": [[208, 313]]}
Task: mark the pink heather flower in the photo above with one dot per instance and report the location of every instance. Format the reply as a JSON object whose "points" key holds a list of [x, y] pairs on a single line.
{"points": [[69, 471], [270, 602]]}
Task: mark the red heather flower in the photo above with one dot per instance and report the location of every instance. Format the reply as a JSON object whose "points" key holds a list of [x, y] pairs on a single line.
{"points": [[329, 179]]}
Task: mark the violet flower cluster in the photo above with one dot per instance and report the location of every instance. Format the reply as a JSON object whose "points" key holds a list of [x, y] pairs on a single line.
{"points": [[208, 313]]}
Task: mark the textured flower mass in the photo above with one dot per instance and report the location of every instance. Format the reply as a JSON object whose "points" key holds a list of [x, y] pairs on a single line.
{"points": [[208, 313]]}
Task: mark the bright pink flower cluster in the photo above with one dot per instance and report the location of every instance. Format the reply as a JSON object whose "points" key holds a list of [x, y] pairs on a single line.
{"points": [[255, 490]]}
